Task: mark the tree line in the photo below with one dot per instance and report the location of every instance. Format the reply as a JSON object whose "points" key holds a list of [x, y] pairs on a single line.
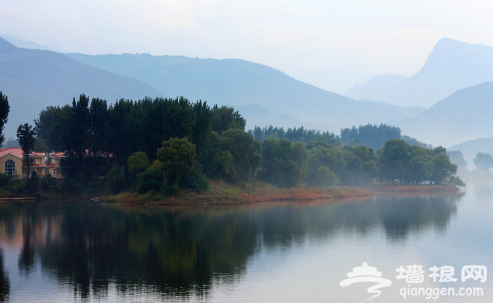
{"points": [[165, 145]]}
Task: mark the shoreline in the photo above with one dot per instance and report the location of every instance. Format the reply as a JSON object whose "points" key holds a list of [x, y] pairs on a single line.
{"points": [[222, 193]]}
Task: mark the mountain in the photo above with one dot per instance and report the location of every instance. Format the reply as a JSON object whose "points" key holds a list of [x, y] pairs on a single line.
{"points": [[463, 116], [35, 79], [22, 43], [472, 147], [238, 82], [452, 65]]}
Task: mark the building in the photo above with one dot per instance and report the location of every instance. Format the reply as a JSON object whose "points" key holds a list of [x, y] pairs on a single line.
{"points": [[12, 164], [97, 162], [54, 168]]}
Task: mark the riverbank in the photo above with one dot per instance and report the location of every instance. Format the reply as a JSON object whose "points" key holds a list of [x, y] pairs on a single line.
{"points": [[223, 193]]}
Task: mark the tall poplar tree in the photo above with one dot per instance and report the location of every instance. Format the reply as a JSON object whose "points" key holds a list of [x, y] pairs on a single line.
{"points": [[26, 137], [4, 113]]}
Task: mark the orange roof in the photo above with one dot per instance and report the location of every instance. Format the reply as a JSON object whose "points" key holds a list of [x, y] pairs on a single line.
{"points": [[17, 152], [57, 154]]}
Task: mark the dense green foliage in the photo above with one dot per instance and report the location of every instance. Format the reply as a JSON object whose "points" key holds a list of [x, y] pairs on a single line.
{"points": [[137, 163], [283, 163], [186, 138], [399, 162], [483, 161], [91, 131], [233, 156]]}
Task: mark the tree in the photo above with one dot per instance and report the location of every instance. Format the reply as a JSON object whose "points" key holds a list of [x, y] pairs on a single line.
{"points": [[394, 159], [321, 154], [26, 137], [49, 125], [178, 157], [283, 163], [224, 118], [4, 113], [361, 166], [444, 169], [483, 161], [457, 158], [421, 166], [325, 177], [138, 162], [245, 151]]}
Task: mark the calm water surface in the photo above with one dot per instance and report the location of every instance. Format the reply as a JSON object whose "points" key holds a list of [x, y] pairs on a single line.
{"points": [[276, 252]]}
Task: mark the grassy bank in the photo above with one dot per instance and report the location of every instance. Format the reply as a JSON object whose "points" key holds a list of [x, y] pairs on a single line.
{"points": [[255, 192]]}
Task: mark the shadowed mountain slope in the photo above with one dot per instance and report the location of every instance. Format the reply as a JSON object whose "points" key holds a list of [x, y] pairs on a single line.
{"points": [[463, 116], [35, 79]]}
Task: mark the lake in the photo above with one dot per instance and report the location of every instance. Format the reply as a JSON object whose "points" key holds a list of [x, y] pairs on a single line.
{"points": [[271, 252]]}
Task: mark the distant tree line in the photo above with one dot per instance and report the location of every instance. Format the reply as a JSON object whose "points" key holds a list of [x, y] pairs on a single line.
{"points": [[370, 135], [293, 134]]}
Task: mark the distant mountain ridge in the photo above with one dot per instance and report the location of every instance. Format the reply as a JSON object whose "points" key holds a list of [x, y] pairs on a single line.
{"points": [[463, 116], [238, 83], [452, 65], [35, 79]]}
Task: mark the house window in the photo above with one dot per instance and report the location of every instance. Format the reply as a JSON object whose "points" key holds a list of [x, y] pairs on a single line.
{"points": [[10, 168]]}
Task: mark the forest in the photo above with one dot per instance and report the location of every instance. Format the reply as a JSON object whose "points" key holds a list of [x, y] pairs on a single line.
{"points": [[169, 145]]}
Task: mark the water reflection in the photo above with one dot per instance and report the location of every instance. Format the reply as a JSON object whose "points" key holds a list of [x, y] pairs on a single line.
{"points": [[184, 252], [4, 281]]}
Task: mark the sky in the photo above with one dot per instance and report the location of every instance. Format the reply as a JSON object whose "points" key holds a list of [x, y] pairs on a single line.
{"points": [[330, 44]]}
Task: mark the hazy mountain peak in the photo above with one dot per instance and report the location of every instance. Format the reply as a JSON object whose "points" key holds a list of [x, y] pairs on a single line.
{"points": [[452, 65]]}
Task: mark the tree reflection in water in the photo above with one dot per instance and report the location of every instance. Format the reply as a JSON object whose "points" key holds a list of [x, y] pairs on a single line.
{"points": [[184, 251]]}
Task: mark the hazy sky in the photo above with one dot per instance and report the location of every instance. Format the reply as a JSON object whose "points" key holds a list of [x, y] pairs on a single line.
{"points": [[330, 44]]}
